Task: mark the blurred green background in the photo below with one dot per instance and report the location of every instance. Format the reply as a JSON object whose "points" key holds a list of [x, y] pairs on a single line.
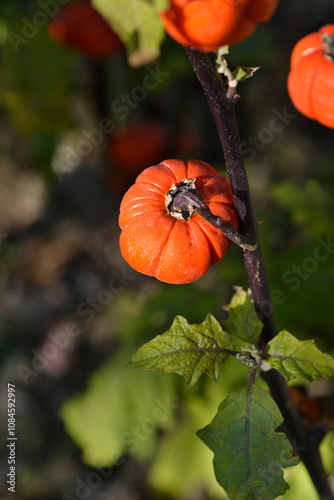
{"points": [[65, 340]]}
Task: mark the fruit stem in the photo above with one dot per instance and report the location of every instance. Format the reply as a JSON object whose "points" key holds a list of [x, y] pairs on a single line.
{"points": [[184, 200], [227, 229], [222, 108]]}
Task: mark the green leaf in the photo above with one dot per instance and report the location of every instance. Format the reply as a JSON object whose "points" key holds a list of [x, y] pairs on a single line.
{"points": [[243, 323], [187, 350], [298, 358], [138, 25], [180, 451], [241, 73], [119, 412], [248, 454]]}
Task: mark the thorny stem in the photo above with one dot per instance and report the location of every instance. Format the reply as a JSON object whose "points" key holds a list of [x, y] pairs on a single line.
{"points": [[222, 108]]}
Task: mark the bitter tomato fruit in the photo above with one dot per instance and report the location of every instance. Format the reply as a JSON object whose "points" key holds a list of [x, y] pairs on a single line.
{"points": [[138, 145], [81, 27], [311, 78], [208, 24], [159, 240], [132, 148]]}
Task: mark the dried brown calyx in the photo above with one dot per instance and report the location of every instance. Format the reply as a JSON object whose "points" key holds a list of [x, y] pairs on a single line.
{"points": [[327, 40], [183, 201]]}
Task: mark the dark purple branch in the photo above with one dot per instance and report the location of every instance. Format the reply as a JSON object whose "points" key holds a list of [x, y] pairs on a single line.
{"points": [[306, 449], [222, 107], [223, 112]]}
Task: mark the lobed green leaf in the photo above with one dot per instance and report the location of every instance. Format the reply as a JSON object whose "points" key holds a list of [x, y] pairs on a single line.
{"points": [[248, 454], [187, 350], [298, 358], [138, 25], [243, 323]]}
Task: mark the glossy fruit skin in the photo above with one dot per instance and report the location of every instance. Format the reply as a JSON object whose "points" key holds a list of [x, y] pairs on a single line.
{"points": [[173, 250], [209, 24], [311, 78], [81, 27]]}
